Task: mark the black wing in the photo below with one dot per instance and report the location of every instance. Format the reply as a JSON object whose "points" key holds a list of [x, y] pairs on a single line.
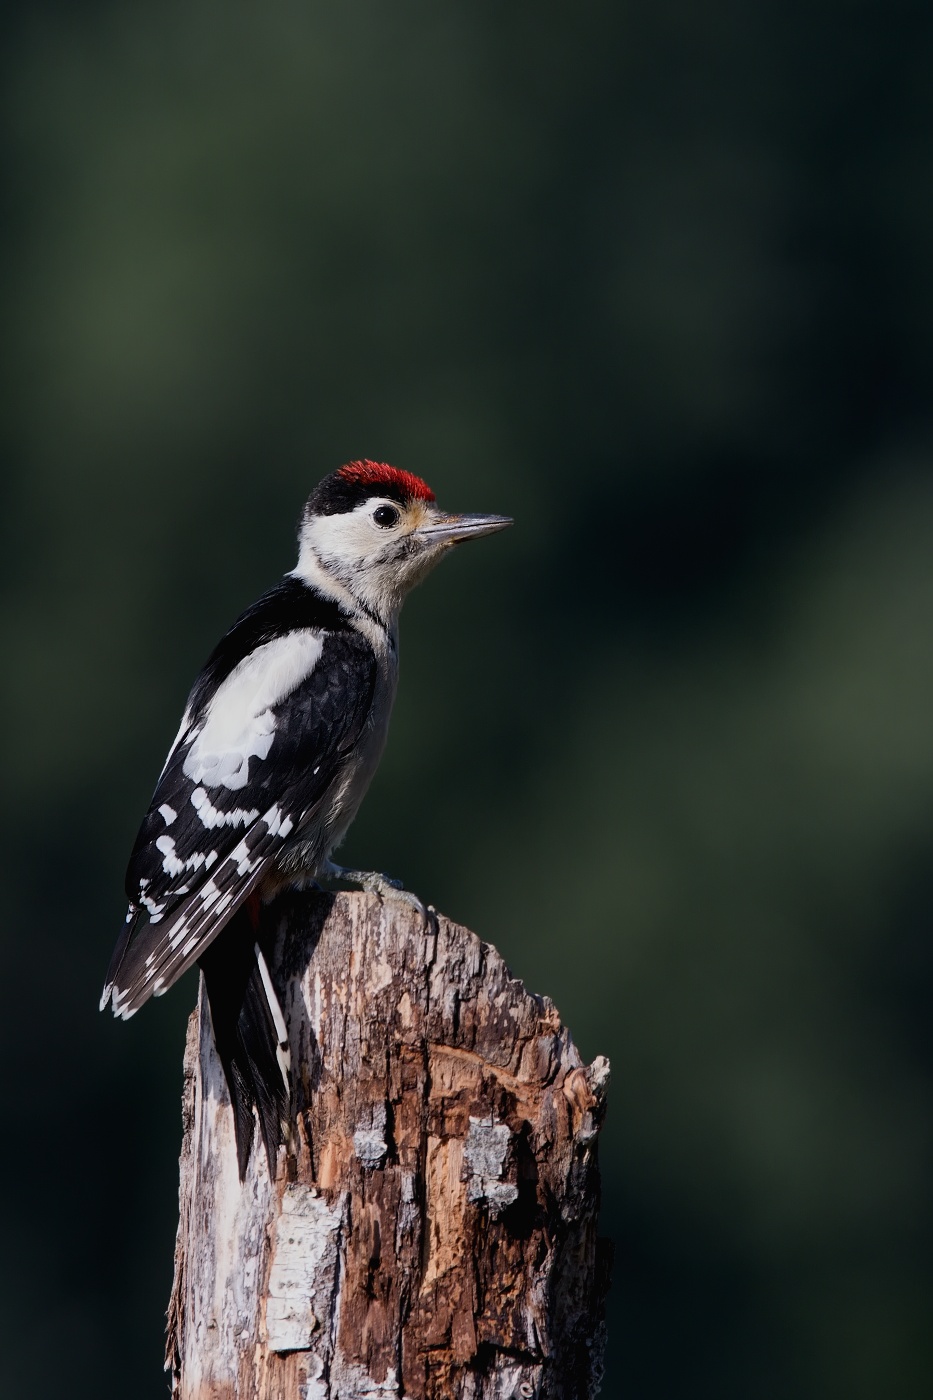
{"points": [[221, 814]]}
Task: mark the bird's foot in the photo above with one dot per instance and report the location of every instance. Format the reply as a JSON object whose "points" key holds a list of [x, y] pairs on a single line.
{"points": [[375, 883]]}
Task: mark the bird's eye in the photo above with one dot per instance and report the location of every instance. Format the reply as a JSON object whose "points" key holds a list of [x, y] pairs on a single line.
{"points": [[385, 516]]}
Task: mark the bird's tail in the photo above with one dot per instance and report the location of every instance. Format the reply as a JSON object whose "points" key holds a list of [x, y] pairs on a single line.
{"points": [[249, 1032]]}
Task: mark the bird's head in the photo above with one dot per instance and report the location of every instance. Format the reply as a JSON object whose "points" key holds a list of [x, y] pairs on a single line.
{"points": [[377, 531]]}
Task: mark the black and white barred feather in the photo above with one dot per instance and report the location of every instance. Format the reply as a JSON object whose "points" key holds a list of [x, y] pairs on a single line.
{"points": [[275, 713]]}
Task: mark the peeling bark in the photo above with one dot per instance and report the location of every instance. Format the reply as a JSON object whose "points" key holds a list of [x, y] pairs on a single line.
{"points": [[431, 1230]]}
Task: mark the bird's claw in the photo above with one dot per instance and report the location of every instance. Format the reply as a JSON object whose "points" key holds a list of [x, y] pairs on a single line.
{"points": [[395, 892], [379, 883], [373, 882]]}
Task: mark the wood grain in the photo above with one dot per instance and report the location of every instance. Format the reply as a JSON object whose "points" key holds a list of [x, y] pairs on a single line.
{"points": [[431, 1229]]}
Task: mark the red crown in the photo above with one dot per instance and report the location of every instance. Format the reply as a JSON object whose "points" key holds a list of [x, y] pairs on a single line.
{"points": [[368, 473]]}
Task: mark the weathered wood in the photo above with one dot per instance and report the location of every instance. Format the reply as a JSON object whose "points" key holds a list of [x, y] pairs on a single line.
{"points": [[431, 1231]]}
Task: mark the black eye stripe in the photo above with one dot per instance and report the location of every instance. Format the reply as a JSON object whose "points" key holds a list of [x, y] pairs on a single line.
{"points": [[386, 516]]}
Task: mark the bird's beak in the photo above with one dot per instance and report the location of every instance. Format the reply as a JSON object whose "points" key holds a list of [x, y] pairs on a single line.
{"points": [[451, 529]]}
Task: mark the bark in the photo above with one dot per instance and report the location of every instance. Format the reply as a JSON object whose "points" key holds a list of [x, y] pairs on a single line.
{"points": [[431, 1229]]}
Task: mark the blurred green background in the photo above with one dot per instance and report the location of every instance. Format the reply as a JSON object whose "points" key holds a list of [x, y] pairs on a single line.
{"points": [[654, 278]]}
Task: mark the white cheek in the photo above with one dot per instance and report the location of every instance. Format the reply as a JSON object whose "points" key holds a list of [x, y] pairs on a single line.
{"points": [[348, 543]]}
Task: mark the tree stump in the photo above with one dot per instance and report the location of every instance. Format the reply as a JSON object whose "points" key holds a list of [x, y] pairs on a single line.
{"points": [[431, 1229]]}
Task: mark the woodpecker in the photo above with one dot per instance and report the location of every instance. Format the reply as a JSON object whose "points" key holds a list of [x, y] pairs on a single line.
{"points": [[280, 738]]}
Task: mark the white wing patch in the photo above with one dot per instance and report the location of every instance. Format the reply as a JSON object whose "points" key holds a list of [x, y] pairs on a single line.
{"points": [[277, 824], [172, 863], [212, 816], [152, 906], [246, 863], [238, 724]]}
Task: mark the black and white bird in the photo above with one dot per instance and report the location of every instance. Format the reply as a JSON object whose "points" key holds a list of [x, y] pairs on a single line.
{"points": [[281, 736]]}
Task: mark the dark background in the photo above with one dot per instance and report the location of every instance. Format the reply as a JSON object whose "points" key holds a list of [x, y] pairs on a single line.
{"points": [[654, 278]]}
